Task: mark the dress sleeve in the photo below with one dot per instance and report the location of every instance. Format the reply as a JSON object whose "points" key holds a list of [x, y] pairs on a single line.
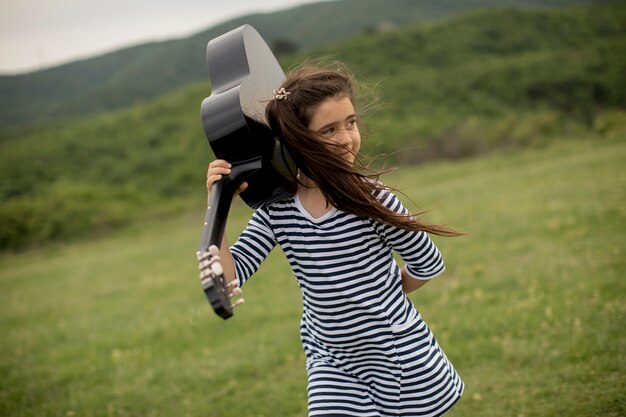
{"points": [[253, 246], [419, 253]]}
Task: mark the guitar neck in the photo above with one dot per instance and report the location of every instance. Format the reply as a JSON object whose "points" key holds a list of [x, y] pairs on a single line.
{"points": [[221, 197]]}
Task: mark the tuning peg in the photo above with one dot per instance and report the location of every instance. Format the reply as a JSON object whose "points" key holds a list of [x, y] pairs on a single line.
{"points": [[216, 268], [203, 254], [236, 292], [238, 303]]}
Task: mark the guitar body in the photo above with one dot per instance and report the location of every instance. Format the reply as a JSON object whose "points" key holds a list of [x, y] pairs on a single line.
{"points": [[243, 74]]}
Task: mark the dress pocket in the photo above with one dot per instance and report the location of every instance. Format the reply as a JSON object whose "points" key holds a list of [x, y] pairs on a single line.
{"points": [[412, 320]]}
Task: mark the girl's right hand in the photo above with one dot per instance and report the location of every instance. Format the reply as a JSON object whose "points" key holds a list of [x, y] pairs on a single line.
{"points": [[217, 169]]}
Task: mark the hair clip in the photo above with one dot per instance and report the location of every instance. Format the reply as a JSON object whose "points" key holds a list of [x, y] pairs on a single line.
{"points": [[281, 94]]}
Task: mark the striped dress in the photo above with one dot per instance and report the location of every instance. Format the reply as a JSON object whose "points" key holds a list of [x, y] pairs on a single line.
{"points": [[368, 351]]}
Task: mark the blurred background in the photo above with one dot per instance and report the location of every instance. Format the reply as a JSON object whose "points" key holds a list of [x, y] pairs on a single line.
{"points": [[506, 118]]}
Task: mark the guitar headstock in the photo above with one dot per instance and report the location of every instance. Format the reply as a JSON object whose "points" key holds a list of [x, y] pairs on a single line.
{"points": [[218, 291]]}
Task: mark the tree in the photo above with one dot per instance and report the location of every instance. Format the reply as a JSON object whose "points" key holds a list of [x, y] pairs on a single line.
{"points": [[282, 46]]}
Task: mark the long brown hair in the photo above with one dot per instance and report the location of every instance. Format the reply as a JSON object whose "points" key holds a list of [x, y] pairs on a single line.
{"points": [[351, 188]]}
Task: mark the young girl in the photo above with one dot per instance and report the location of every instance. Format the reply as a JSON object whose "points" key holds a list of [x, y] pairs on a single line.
{"points": [[368, 351]]}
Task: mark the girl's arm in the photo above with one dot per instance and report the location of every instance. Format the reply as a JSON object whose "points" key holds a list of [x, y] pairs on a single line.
{"points": [[421, 257], [227, 261], [410, 284]]}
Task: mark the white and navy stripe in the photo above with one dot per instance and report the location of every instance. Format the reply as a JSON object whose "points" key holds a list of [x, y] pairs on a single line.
{"points": [[368, 350]]}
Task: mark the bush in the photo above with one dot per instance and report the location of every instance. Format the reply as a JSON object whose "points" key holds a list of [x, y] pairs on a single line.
{"points": [[65, 210]]}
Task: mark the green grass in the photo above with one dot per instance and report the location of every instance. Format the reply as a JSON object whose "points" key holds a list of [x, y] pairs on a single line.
{"points": [[531, 309]]}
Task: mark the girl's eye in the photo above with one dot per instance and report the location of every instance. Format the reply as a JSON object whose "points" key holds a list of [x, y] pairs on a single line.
{"points": [[328, 131]]}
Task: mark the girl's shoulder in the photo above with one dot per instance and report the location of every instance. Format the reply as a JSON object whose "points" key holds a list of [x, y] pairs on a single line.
{"points": [[381, 191], [387, 197], [282, 204]]}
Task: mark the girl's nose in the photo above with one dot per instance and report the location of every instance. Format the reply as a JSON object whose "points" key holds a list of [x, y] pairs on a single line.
{"points": [[344, 137]]}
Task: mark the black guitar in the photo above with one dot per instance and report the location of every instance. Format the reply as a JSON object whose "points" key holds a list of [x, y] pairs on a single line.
{"points": [[243, 74]]}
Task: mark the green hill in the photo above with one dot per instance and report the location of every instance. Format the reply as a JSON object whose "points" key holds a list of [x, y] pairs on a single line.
{"points": [[499, 79], [470, 82], [143, 72]]}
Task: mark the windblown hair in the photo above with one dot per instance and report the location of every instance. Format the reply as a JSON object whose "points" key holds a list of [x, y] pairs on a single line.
{"points": [[349, 187]]}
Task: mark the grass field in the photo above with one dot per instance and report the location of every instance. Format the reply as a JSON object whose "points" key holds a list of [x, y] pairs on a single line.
{"points": [[531, 309]]}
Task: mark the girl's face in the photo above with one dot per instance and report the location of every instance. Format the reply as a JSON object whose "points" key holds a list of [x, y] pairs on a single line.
{"points": [[334, 120]]}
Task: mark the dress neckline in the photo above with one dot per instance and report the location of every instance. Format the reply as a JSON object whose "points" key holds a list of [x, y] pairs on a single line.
{"points": [[309, 216]]}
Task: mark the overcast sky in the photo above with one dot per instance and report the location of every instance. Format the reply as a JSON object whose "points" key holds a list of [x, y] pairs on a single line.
{"points": [[36, 34]]}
